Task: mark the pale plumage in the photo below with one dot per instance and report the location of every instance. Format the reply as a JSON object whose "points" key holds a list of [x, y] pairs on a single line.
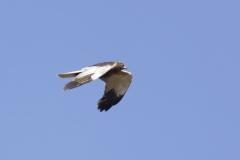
{"points": [[117, 81]]}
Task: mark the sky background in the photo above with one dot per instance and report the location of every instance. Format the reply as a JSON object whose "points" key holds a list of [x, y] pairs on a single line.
{"points": [[183, 102]]}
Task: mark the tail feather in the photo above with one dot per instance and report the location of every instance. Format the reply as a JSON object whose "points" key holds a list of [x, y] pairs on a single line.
{"points": [[78, 82], [71, 85]]}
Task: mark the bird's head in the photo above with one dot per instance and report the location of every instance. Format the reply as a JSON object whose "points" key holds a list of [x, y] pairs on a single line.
{"points": [[121, 65]]}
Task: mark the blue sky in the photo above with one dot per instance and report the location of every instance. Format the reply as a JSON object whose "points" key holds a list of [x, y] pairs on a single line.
{"points": [[183, 102]]}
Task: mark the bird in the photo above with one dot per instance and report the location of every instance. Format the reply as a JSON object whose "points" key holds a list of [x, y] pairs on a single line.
{"points": [[117, 81]]}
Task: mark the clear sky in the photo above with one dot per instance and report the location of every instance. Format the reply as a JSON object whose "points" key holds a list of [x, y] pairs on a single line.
{"points": [[184, 100]]}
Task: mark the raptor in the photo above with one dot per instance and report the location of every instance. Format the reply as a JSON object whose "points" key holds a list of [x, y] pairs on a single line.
{"points": [[112, 73]]}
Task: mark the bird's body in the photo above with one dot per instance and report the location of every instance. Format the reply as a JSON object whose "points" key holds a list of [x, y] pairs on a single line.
{"points": [[117, 81]]}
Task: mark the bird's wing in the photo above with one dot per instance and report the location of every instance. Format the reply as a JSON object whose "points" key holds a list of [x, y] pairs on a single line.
{"points": [[69, 74], [115, 88], [87, 74]]}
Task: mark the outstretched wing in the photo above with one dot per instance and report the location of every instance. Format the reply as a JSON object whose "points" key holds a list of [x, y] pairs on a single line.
{"points": [[116, 86], [69, 74], [87, 74]]}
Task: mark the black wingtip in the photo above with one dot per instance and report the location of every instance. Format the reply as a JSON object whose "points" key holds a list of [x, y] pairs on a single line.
{"points": [[108, 100], [104, 108]]}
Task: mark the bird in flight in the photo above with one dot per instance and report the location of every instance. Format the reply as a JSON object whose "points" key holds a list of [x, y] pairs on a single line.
{"points": [[117, 81]]}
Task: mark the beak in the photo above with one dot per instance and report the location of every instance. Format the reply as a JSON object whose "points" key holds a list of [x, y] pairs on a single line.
{"points": [[125, 67]]}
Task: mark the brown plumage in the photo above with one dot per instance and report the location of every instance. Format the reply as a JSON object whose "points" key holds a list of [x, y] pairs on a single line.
{"points": [[117, 81]]}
